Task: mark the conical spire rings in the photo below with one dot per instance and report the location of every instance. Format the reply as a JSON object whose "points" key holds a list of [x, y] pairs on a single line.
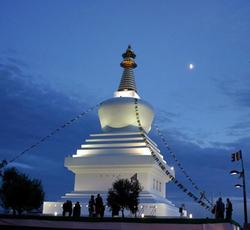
{"points": [[128, 63]]}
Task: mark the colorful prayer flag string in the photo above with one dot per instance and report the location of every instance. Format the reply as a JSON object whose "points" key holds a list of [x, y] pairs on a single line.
{"points": [[161, 165], [52, 133]]}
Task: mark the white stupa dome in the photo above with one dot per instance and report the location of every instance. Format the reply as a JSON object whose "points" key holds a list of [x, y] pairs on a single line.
{"points": [[119, 113]]}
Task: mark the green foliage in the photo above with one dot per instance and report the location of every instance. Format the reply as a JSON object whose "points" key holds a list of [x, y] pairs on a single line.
{"points": [[19, 192], [124, 195]]}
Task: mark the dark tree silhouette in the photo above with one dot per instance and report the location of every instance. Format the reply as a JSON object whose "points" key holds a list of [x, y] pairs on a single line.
{"points": [[19, 192], [136, 188], [124, 195]]}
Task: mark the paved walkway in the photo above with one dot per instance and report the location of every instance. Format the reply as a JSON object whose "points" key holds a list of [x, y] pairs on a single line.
{"points": [[12, 223]]}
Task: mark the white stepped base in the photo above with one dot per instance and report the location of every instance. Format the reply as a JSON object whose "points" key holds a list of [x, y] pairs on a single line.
{"points": [[150, 205], [104, 158], [148, 209]]}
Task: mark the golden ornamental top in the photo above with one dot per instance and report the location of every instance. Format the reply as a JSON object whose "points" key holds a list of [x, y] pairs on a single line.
{"points": [[128, 59]]}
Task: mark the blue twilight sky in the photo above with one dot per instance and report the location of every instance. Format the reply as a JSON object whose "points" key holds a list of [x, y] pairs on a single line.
{"points": [[57, 58]]}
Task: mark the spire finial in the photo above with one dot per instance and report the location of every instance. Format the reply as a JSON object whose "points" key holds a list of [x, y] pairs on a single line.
{"points": [[128, 58], [128, 63]]}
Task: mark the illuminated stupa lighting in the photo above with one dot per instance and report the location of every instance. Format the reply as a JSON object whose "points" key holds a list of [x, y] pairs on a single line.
{"points": [[120, 151]]}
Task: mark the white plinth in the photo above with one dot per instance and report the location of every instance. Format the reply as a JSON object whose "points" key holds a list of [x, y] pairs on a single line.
{"points": [[106, 157]]}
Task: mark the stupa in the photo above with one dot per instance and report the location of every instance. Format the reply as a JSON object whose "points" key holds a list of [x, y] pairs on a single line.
{"points": [[119, 151]]}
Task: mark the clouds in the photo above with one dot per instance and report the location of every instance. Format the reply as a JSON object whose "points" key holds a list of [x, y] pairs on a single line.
{"points": [[20, 165], [240, 94], [29, 111], [163, 116], [236, 90], [236, 87], [209, 167], [28, 105]]}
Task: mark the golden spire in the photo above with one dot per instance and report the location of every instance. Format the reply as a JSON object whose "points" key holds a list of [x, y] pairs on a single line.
{"points": [[128, 63]]}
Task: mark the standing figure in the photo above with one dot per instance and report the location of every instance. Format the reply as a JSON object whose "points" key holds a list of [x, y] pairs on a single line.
{"points": [[219, 209], [229, 210], [64, 208], [70, 207], [92, 206], [67, 208], [77, 210], [99, 206]]}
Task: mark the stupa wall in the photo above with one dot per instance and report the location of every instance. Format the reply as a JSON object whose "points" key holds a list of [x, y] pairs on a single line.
{"points": [[101, 179]]}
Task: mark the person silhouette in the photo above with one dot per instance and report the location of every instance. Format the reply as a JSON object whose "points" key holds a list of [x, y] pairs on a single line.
{"points": [[229, 210], [70, 207], [77, 210], [99, 206], [219, 209], [64, 208], [92, 206], [67, 208]]}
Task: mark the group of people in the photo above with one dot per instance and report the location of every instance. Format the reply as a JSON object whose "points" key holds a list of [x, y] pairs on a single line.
{"points": [[67, 209], [219, 209], [96, 207]]}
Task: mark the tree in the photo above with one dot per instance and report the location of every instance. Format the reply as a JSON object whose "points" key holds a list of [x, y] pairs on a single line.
{"points": [[19, 192], [124, 195], [136, 188]]}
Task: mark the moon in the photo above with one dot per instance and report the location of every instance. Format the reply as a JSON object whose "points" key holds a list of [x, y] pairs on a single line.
{"points": [[191, 66]]}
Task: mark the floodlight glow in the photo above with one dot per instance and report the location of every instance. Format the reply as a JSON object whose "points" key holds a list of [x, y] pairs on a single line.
{"points": [[190, 215], [142, 215], [55, 213]]}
